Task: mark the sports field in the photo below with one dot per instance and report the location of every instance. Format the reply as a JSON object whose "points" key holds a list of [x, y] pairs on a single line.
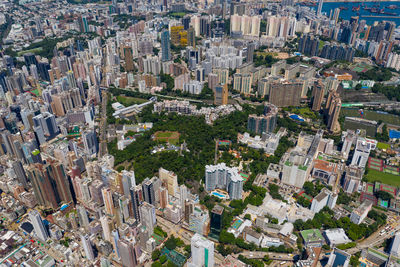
{"points": [[129, 101], [360, 67], [383, 145], [303, 194], [177, 258], [167, 136], [383, 177], [371, 115]]}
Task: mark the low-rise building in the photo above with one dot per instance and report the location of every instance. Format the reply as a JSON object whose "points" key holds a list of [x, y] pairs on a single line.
{"points": [[324, 198], [338, 258], [252, 236], [358, 215], [312, 238], [336, 237]]}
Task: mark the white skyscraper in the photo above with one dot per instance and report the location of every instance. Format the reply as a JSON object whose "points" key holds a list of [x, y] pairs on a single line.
{"points": [[106, 228], [115, 237], [87, 247], [224, 177], [183, 195], [148, 216], [38, 225], [320, 3], [202, 252], [83, 216]]}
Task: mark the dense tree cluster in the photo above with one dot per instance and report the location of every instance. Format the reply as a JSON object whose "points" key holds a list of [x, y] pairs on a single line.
{"points": [[199, 136], [390, 91], [323, 220], [384, 136], [260, 60], [274, 191], [376, 74]]}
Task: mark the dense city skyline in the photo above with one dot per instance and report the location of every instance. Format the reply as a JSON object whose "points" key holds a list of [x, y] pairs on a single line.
{"points": [[199, 133]]}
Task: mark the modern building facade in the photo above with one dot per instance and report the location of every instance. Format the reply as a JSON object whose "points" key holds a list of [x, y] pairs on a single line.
{"points": [[265, 123], [223, 177], [38, 225], [202, 252]]}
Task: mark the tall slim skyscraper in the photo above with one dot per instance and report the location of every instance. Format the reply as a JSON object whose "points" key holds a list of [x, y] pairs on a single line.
{"points": [[108, 200], [20, 173], [317, 95], [83, 216], [135, 204], [38, 226], [90, 142], [128, 181], [50, 183], [115, 237], [170, 179], [165, 45], [221, 94], [320, 3], [87, 247], [148, 216], [127, 253], [105, 225], [202, 252], [148, 191], [216, 220]]}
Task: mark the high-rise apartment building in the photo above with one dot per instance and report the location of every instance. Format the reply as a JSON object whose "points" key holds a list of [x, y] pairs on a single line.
{"points": [[202, 252], [223, 75], [163, 197], [50, 183], [226, 178], [221, 94], [216, 220], [245, 25], [105, 225], [108, 200], [87, 247], [317, 95], [128, 59], [170, 180], [127, 253], [148, 191], [265, 123], [148, 216], [285, 93], [38, 225], [20, 173], [320, 4], [242, 83], [165, 46], [199, 221]]}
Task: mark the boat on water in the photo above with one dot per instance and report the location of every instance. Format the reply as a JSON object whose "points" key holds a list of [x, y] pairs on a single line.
{"points": [[343, 8], [389, 13], [355, 8], [392, 7], [308, 3]]}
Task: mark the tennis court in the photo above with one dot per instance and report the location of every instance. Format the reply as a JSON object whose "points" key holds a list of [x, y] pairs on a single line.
{"points": [[177, 258], [370, 188], [245, 176], [237, 223], [303, 194], [158, 239]]}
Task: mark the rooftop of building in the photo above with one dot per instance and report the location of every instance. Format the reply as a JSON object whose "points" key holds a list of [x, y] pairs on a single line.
{"points": [[312, 235], [218, 210]]}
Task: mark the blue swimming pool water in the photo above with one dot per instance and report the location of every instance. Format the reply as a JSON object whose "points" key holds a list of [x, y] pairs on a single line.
{"points": [[296, 117], [218, 194]]}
